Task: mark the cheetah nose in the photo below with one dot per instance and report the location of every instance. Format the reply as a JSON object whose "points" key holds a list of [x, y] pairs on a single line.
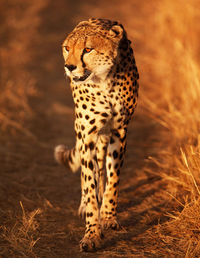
{"points": [[70, 67]]}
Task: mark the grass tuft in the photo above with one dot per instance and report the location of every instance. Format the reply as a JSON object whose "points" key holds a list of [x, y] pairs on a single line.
{"points": [[21, 238]]}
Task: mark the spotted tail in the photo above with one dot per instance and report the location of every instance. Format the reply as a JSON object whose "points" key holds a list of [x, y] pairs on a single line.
{"points": [[66, 157]]}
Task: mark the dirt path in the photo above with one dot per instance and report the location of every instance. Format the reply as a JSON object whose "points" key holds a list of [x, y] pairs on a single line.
{"points": [[31, 176]]}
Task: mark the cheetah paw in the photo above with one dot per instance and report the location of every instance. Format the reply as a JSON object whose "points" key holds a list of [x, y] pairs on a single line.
{"points": [[110, 223], [90, 244]]}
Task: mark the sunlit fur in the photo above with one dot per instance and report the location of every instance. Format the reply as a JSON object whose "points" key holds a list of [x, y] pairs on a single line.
{"points": [[101, 66]]}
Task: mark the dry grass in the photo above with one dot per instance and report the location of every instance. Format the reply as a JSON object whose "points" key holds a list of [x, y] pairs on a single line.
{"points": [[21, 237], [170, 91], [172, 99]]}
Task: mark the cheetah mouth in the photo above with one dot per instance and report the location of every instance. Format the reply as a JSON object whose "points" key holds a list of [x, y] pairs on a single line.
{"points": [[82, 78]]}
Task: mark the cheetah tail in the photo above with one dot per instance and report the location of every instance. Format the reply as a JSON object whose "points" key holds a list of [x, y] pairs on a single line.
{"points": [[66, 157]]}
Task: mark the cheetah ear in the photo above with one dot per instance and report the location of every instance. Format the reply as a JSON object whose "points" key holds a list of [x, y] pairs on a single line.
{"points": [[116, 32]]}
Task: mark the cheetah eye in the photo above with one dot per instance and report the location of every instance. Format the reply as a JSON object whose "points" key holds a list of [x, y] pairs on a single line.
{"points": [[87, 50], [66, 48]]}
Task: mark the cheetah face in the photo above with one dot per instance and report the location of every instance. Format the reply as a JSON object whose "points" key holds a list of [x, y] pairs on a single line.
{"points": [[89, 55]]}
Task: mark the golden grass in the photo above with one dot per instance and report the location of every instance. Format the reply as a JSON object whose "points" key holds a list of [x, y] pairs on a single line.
{"points": [[170, 94], [172, 99], [21, 237], [174, 91]]}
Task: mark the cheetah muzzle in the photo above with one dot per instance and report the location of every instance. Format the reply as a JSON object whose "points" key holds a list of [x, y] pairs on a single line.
{"points": [[101, 66], [82, 78]]}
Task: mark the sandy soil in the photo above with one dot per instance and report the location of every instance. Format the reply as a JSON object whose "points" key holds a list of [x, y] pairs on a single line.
{"points": [[29, 173]]}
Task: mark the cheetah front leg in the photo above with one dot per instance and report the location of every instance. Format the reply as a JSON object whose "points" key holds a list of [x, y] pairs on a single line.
{"points": [[92, 237], [101, 154], [114, 161]]}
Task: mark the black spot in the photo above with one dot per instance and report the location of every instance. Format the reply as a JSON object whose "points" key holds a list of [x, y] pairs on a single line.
{"points": [[118, 172], [117, 134], [86, 191], [111, 201], [91, 146], [109, 166], [103, 121], [111, 140], [87, 117], [95, 158], [116, 165], [82, 161], [89, 178], [111, 174], [115, 154], [79, 135], [92, 130], [92, 121], [84, 106], [82, 127], [91, 165], [92, 185]]}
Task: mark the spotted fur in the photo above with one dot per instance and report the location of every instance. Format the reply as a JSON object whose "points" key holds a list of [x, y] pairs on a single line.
{"points": [[101, 66]]}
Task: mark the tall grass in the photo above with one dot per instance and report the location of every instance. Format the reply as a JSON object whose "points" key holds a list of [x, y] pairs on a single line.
{"points": [[172, 98], [174, 88]]}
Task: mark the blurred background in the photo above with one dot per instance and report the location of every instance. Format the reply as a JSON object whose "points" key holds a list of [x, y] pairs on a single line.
{"points": [[159, 192]]}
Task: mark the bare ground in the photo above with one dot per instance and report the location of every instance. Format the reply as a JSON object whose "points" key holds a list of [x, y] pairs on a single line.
{"points": [[33, 186]]}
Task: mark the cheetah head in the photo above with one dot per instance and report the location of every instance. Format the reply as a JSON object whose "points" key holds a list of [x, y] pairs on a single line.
{"points": [[90, 51]]}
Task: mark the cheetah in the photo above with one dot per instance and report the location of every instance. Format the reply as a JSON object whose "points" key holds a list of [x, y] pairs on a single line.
{"points": [[100, 64]]}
